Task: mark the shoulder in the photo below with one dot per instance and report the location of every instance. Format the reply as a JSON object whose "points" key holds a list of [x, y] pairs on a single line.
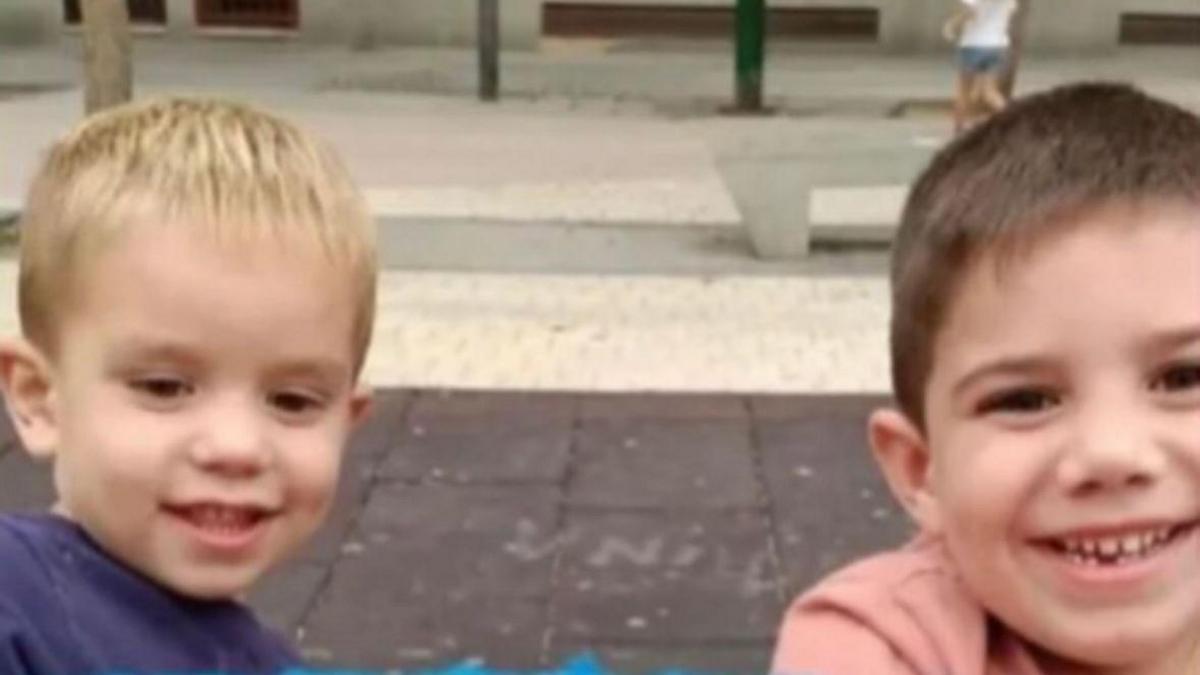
{"points": [[33, 620], [897, 613], [269, 646], [32, 547], [25, 548]]}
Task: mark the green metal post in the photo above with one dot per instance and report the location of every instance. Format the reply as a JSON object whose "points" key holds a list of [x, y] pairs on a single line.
{"points": [[750, 29], [489, 49]]}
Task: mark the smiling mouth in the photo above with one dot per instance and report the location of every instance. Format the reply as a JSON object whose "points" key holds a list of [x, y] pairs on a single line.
{"points": [[220, 518], [1117, 550]]}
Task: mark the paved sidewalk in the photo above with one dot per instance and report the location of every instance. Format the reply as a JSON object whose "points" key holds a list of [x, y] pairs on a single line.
{"points": [[587, 234], [615, 333], [590, 133], [522, 529]]}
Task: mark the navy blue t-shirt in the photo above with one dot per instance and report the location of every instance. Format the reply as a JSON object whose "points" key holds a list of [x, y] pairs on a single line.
{"points": [[67, 607]]}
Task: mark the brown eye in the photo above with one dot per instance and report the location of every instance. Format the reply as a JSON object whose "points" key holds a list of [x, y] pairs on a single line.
{"points": [[1178, 378], [162, 387], [1021, 401], [295, 403]]}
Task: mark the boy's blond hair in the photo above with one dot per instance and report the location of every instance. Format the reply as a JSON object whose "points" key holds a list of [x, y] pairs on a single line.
{"points": [[241, 176], [1008, 185]]}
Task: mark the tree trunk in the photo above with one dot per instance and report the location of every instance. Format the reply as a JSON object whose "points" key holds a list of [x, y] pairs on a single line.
{"points": [[1020, 21], [107, 54]]}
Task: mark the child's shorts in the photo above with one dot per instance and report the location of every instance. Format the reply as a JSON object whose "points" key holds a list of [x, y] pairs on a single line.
{"points": [[981, 59]]}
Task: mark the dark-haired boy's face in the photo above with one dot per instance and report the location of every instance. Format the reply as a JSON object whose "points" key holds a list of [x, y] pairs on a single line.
{"points": [[1063, 429]]}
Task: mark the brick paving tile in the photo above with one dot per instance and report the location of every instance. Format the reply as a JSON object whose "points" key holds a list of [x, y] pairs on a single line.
{"points": [[663, 464], [696, 578]]}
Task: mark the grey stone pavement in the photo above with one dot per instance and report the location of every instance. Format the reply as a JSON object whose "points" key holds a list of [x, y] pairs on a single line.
{"points": [[521, 529]]}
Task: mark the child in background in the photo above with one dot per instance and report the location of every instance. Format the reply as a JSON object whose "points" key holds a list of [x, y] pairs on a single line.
{"points": [[1045, 344], [196, 295], [981, 30]]}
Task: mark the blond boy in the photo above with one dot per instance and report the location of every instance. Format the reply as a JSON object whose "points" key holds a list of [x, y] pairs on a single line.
{"points": [[1046, 362], [196, 291]]}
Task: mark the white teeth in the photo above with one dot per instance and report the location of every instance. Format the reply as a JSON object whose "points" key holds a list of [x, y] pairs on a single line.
{"points": [[1131, 544], [1109, 546], [220, 517], [1114, 549]]}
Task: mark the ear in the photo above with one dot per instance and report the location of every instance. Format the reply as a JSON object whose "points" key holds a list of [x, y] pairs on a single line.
{"points": [[362, 402], [28, 384], [903, 455]]}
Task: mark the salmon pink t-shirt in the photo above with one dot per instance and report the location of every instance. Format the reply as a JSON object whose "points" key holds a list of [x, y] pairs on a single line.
{"points": [[904, 612]]}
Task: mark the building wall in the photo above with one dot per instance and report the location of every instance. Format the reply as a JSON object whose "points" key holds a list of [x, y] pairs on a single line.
{"points": [[1054, 26], [366, 23], [27, 22], [915, 25], [905, 25], [181, 17], [1184, 7]]}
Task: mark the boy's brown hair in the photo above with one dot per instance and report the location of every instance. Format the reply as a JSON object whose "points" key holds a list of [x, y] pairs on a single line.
{"points": [[1026, 172], [236, 174]]}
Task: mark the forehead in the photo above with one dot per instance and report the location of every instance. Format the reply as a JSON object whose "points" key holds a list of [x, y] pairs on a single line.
{"points": [[174, 285], [1127, 268]]}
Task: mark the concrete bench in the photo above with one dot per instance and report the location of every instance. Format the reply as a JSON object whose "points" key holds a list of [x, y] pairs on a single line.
{"points": [[855, 215]]}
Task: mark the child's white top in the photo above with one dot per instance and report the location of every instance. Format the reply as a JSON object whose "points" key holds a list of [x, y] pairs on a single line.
{"points": [[989, 25]]}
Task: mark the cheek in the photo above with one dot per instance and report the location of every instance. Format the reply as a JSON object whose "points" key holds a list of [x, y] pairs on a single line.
{"points": [[311, 465], [984, 483]]}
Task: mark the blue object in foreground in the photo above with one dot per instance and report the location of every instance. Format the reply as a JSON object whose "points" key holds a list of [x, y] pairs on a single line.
{"points": [[584, 664]]}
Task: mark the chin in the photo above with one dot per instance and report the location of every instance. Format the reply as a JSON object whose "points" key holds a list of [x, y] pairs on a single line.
{"points": [[1110, 651], [212, 585]]}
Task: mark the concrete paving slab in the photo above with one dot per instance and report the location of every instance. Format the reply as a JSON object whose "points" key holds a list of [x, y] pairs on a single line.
{"points": [[482, 453], [383, 633], [646, 203], [8, 436], [697, 465], [443, 410], [477, 532], [830, 503], [846, 409], [368, 447], [27, 485], [631, 333], [856, 214], [698, 407], [698, 578], [540, 246], [283, 598]]}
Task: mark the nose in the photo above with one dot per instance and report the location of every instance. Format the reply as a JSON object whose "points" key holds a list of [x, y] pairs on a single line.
{"points": [[1112, 448], [234, 442]]}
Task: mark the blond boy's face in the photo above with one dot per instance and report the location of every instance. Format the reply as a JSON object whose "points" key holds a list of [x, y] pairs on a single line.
{"points": [[1064, 430], [198, 407]]}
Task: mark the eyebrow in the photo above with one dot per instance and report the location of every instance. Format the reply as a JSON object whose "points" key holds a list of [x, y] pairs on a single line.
{"points": [[144, 349], [1160, 341], [140, 348], [320, 367], [1011, 365], [1169, 339]]}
